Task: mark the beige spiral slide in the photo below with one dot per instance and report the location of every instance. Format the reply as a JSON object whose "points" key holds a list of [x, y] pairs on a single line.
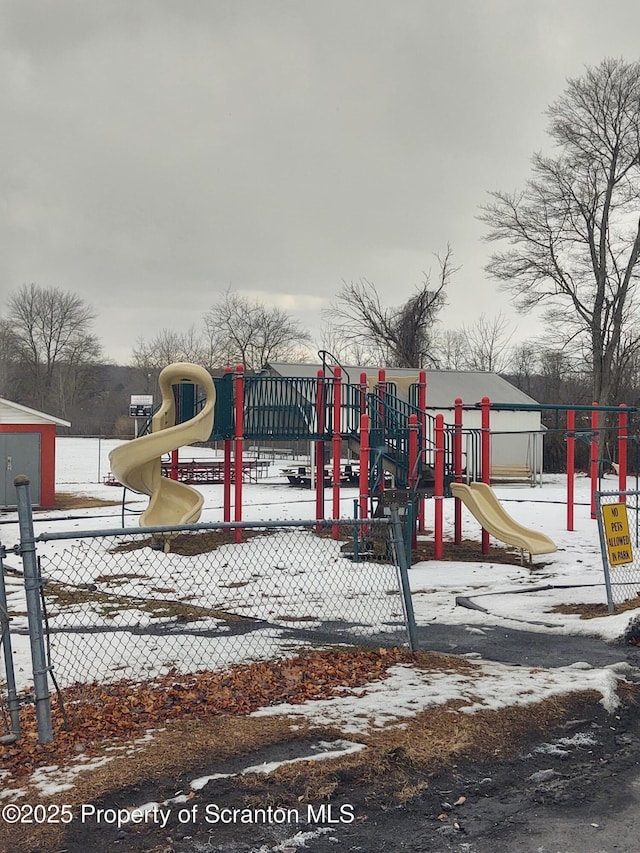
{"points": [[138, 463], [481, 501]]}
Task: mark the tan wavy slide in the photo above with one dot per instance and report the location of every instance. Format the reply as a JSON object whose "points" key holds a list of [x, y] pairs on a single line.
{"points": [[138, 463], [481, 501]]}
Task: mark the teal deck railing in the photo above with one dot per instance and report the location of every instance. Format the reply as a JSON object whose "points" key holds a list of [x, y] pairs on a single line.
{"points": [[288, 409]]}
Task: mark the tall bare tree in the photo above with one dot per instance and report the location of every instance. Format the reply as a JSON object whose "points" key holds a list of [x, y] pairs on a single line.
{"points": [[573, 231], [398, 336], [55, 346]]}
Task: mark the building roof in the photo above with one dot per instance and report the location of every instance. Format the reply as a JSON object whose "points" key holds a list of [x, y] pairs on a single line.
{"points": [[16, 413], [443, 386]]}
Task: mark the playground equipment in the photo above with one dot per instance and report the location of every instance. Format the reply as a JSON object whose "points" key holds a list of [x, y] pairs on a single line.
{"points": [[399, 445], [481, 501], [138, 463]]}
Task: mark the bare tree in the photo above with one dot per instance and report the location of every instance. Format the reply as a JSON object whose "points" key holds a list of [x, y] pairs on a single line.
{"points": [[332, 341], [488, 344], [8, 358], [248, 332], [54, 345], [573, 232], [396, 336], [453, 350], [167, 347]]}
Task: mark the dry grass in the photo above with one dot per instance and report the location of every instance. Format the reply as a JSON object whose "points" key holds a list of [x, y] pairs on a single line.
{"points": [[190, 544], [110, 604], [70, 500], [595, 611], [470, 551], [398, 762]]}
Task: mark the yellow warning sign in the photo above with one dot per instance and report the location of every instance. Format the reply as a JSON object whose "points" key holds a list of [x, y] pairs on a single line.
{"points": [[616, 531]]}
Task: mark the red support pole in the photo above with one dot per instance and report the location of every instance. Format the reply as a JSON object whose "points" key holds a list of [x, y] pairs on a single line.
{"points": [[623, 433], [382, 393], [594, 461], [438, 493], [485, 456], [571, 465], [175, 464], [336, 443], [227, 475], [413, 466], [457, 468], [238, 446], [320, 397], [422, 405], [364, 466]]}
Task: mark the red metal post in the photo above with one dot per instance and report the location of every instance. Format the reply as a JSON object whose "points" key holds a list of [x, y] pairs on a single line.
{"points": [[623, 433], [485, 456], [457, 468], [571, 465], [413, 466], [320, 397], [227, 475], [594, 459], [238, 446], [422, 405], [364, 466], [382, 394], [438, 493], [336, 442]]}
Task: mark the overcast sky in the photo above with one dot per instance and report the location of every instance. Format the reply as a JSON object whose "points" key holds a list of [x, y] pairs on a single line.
{"points": [[157, 152]]}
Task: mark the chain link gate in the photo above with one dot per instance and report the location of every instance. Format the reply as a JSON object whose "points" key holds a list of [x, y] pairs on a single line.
{"points": [[619, 529], [9, 704], [118, 607]]}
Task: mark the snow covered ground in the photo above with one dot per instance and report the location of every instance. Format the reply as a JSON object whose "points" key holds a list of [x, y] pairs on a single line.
{"points": [[506, 592]]}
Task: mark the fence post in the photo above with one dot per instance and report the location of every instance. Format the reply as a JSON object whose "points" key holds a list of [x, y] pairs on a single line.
{"points": [[605, 556], [13, 704], [33, 585], [397, 537]]}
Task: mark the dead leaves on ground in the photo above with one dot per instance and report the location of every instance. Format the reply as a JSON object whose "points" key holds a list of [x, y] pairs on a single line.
{"points": [[98, 714]]}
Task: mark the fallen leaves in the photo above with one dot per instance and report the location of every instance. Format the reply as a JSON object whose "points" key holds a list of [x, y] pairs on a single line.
{"points": [[98, 714]]}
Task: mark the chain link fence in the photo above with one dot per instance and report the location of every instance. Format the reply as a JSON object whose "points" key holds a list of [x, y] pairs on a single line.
{"points": [[619, 528], [118, 605], [9, 703]]}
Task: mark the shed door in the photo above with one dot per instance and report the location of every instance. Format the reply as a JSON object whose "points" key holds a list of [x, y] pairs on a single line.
{"points": [[19, 454]]}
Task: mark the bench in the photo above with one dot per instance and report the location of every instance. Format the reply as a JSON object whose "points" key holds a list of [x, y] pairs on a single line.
{"points": [[511, 473]]}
